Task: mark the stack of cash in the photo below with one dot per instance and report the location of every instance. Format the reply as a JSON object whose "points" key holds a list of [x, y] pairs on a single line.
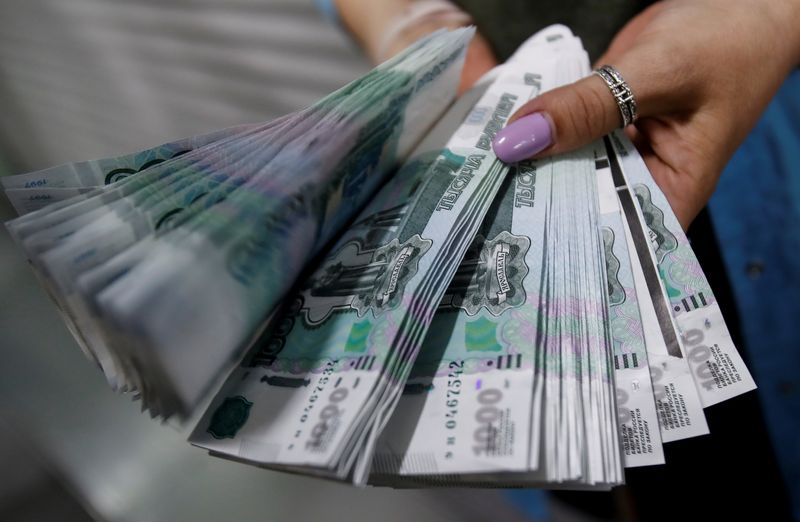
{"points": [[405, 309], [165, 275]]}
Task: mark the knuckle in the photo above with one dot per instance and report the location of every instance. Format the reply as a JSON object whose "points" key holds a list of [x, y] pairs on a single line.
{"points": [[584, 111]]}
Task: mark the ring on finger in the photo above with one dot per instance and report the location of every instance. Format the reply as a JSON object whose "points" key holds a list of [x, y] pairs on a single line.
{"points": [[622, 93]]}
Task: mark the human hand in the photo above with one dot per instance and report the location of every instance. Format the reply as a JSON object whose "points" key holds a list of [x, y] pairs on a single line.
{"points": [[385, 28], [479, 60], [702, 72]]}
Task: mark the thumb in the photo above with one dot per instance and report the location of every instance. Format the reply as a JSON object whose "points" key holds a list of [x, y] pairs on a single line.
{"points": [[560, 120]]}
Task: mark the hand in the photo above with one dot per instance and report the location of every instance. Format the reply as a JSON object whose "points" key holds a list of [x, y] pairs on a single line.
{"points": [[387, 27], [479, 59], [702, 73]]}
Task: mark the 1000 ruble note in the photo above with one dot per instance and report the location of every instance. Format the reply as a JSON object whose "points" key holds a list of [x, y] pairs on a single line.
{"points": [[717, 367]]}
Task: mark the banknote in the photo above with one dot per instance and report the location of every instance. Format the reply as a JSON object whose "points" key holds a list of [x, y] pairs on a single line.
{"points": [[213, 219], [360, 319], [460, 419], [717, 367], [678, 403], [638, 419], [465, 410], [463, 361], [63, 243], [34, 190], [365, 293]]}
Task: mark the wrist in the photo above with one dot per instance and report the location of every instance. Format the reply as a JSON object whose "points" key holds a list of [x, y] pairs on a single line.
{"points": [[786, 17], [415, 21], [794, 25]]}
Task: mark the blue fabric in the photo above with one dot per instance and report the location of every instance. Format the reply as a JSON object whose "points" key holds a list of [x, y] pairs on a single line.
{"points": [[532, 502], [328, 10], [756, 215]]}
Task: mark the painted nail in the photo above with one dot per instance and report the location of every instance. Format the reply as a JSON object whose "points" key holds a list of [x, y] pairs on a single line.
{"points": [[523, 138]]}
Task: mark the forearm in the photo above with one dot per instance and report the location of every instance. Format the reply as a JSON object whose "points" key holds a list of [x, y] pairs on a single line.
{"points": [[794, 25], [383, 28], [368, 20], [786, 20]]}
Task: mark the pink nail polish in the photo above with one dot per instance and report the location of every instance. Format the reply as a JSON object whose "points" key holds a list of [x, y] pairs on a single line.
{"points": [[524, 138]]}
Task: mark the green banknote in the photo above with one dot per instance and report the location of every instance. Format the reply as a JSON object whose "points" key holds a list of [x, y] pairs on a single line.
{"points": [[360, 318], [236, 219], [35, 190]]}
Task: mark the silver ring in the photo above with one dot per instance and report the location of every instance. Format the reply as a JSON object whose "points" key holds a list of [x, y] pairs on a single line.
{"points": [[622, 93]]}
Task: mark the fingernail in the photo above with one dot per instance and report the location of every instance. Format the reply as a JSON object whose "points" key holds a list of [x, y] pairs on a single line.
{"points": [[522, 139]]}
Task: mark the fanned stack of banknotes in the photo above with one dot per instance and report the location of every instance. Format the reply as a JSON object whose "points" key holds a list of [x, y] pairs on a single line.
{"points": [[365, 293]]}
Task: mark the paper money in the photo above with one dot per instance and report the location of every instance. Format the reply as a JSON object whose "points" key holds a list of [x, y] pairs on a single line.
{"points": [[230, 219], [717, 367], [415, 313], [35, 190], [638, 419], [363, 314], [467, 410], [677, 400]]}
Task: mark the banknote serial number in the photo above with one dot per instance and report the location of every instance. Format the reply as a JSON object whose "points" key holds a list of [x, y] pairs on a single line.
{"points": [[318, 389], [453, 393], [487, 416]]}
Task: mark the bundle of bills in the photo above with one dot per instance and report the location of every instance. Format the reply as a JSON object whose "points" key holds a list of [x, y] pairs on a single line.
{"points": [[452, 321], [163, 276]]}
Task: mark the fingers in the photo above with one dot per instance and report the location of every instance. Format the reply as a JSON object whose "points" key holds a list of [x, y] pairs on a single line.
{"points": [[573, 116], [480, 59], [627, 36], [686, 202], [558, 121]]}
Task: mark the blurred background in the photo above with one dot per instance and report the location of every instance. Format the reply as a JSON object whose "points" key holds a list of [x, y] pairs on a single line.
{"points": [[94, 78]]}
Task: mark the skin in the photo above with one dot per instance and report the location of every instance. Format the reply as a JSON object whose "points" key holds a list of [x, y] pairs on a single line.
{"points": [[368, 21], [702, 72]]}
